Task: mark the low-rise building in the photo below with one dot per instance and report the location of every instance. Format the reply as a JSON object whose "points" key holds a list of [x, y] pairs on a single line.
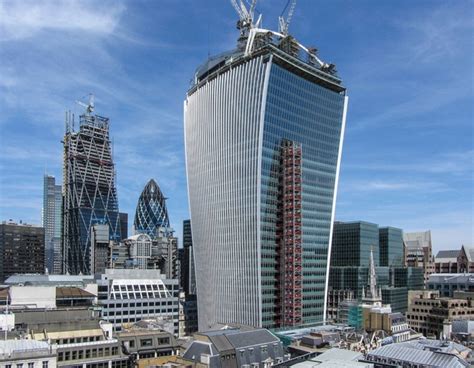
{"points": [[332, 358], [335, 298], [448, 283], [146, 339], [27, 353], [130, 295], [455, 261], [418, 251], [431, 315], [236, 348], [421, 353]]}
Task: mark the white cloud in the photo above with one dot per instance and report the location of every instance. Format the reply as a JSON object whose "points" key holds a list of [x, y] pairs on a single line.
{"points": [[23, 19], [454, 163]]}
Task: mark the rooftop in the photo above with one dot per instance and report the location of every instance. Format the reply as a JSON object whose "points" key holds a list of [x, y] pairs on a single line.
{"points": [[430, 353], [447, 256], [452, 278], [72, 292], [132, 274], [13, 348], [40, 279], [255, 41]]}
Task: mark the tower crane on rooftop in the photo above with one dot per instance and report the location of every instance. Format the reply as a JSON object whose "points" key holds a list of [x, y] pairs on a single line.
{"points": [[245, 15], [285, 23], [90, 106]]}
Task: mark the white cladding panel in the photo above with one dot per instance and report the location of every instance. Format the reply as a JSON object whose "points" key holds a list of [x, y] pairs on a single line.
{"points": [[222, 132]]}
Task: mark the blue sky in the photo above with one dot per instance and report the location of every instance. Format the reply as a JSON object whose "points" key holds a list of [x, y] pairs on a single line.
{"points": [[408, 66]]}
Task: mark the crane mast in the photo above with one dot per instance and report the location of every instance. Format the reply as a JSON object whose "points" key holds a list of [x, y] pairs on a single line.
{"points": [[285, 23]]}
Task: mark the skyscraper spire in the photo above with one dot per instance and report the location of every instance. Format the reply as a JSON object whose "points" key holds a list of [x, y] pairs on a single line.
{"points": [[372, 293]]}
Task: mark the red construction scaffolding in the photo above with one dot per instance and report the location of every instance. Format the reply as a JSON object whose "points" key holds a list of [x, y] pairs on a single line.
{"points": [[289, 236]]}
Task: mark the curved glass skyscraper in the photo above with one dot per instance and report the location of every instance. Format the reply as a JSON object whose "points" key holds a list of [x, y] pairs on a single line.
{"points": [[264, 126], [151, 211]]}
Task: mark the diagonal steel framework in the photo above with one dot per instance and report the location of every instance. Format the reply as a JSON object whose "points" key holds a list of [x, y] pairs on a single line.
{"points": [[90, 195]]}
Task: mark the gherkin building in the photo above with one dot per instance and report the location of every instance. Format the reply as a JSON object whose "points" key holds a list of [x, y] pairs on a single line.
{"points": [[151, 212]]}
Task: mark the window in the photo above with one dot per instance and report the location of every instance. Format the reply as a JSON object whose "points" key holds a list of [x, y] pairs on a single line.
{"points": [[19, 365], [131, 343], [146, 342], [31, 365], [164, 341]]}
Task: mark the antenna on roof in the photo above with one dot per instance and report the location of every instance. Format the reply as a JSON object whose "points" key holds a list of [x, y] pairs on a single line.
{"points": [[285, 23]]}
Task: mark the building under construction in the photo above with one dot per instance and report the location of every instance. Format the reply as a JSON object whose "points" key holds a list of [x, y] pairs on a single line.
{"points": [[264, 125], [89, 191]]}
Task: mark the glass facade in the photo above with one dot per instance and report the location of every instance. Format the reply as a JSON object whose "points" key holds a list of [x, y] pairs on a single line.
{"points": [[52, 222], [351, 246], [90, 195], [243, 127], [310, 115], [391, 246], [397, 297], [352, 242], [151, 213]]}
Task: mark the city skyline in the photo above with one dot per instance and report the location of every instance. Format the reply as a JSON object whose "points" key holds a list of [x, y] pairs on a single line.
{"points": [[403, 164]]}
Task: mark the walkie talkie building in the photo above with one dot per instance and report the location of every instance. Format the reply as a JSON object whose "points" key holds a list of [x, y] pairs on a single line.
{"points": [[264, 126]]}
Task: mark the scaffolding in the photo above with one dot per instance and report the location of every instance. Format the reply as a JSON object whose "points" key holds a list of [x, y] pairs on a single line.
{"points": [[289, 236]]}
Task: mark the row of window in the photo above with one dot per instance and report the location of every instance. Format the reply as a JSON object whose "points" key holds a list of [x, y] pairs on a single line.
{"points": [[44, 364], [144, 311], [144, 304], [86, 353]]}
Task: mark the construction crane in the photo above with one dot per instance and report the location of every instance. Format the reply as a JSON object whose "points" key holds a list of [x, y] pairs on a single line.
{"points": [[90, 106], [285, 23], [246, 15]]}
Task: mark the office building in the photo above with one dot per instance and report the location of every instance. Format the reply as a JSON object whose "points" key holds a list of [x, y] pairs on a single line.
{"points": [[142, 252], [391, 246], [188, 276], [139, 252], [21, 249], [151, 213], [123, 225], [431, 314], [188, 282], [90, 195], [418, 251], [130, 295], [352, 245], [455, 261], [448, 283], [263, 130], [166, 251], [52, 222], [100, 248]]}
